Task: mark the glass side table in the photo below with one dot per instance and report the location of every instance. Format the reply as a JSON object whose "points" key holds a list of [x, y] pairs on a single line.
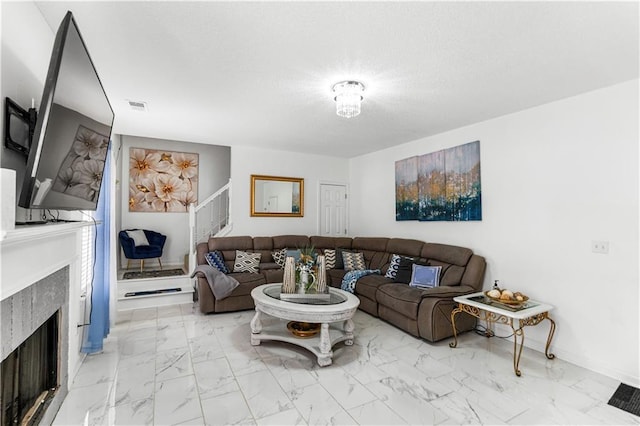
{"points": [[529, 313]]}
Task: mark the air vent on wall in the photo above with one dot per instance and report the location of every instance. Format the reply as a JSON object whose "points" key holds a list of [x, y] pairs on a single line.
{"points": [[138, 105]]}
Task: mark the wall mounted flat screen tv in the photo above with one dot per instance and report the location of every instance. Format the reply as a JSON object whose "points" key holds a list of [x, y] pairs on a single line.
{"points": [[73, 129]]}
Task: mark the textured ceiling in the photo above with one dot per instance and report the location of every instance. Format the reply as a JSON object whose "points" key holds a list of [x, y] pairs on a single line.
{"points": [[260, 74]]}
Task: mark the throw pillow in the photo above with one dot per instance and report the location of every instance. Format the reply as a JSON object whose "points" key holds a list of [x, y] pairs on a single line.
{"points": [[394, 264], [295, 253], [215, 259], [246, 262], [353, 261], [330, 258], [339, 257], [425, 276], [139, 238], [279, 256], [405, 269]]}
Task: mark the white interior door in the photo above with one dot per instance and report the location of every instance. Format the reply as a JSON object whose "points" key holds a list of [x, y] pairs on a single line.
{"points": [[333, 210]]}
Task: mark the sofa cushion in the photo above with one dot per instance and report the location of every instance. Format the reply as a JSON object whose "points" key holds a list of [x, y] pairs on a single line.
{"points": [[405, 247], [335, 276], [320, 242], [290, 241], [228, 247], [264, 246], [400, 298], [246, 262], [367, 286], [262, 243], [353, 261], [369, 244], [215, 259], [445, 253], [248, 281], [450, 275], [374, 251], [263, 266]]}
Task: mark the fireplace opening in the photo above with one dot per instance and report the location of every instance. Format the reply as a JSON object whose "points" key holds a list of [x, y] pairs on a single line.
{"points": [[29, 376]]}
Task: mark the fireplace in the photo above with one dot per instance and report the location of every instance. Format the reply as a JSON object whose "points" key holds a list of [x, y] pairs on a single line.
{"points": [[29, 376], [34, 351]]}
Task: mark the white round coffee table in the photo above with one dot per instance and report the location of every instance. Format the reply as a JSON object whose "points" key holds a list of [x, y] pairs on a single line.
{"points": [[340, 309]]}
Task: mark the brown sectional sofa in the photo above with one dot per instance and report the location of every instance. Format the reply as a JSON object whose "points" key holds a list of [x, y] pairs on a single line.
{"points": [[422, 313]]}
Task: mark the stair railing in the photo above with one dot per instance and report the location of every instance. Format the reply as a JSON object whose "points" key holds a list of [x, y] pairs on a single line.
{"points": [[211, 217]]}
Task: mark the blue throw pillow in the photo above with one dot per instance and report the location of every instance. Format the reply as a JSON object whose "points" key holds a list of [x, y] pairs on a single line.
{"points": [[295, 253], [425, 276], [216, 260]]}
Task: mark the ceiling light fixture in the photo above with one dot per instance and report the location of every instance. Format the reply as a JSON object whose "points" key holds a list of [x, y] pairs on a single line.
{"points": [[348, 97]]}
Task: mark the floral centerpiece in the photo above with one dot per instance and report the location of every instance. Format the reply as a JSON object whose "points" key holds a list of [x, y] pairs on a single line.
{"points": [[305, 278], [306, 270]]}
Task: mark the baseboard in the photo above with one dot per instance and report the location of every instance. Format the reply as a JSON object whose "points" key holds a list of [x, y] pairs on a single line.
{"points": [[574, 358]]}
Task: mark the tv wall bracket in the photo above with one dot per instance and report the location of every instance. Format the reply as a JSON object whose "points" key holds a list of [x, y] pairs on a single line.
{"points": [[19, 126]]}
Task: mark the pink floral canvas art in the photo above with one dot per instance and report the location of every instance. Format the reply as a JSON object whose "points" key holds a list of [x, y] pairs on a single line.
{"points": [[162, 181], [80, 174]]}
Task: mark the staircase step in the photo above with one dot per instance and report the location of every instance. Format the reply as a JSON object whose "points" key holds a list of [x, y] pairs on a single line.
{"points": [[153, 292]]}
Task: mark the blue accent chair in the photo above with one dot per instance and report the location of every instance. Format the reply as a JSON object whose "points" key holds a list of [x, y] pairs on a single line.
{"points": [[152, 251]]}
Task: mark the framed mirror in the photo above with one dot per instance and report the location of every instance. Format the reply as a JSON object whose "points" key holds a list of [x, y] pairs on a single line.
{"points": [[277, 196]]}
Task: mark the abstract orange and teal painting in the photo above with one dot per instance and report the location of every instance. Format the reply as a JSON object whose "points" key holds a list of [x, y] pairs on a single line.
{"points": [[446, 186]]}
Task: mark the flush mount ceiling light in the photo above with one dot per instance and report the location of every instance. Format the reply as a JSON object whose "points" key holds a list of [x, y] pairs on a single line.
{"points": [[348, 97]]}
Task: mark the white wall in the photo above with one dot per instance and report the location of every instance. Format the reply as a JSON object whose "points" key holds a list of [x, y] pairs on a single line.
{"points": [[313, 168], [554, 178], [213, 172]]}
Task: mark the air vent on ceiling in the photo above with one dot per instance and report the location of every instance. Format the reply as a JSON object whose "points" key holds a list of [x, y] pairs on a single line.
{"points": [[138, 106]]}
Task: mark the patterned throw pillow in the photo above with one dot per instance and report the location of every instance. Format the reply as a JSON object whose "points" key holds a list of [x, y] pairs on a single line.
{"points": [[279, 256], [246, 262], [353, 261], [216, 260], [330, 258], [340, 257], [393, 266]]}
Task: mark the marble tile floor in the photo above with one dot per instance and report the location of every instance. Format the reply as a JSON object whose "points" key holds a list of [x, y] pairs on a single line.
{"points": [[175, 366]]}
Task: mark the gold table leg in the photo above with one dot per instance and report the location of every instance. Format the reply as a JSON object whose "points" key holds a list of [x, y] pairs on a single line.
{"points": [[552, 330], [517, 352], [453, 324]]}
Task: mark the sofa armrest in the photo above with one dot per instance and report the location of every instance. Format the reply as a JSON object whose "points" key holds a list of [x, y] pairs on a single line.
{"points": [[447, 291]]}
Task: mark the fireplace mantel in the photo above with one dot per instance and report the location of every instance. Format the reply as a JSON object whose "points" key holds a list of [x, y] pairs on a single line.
{"points": [[29, 253]]}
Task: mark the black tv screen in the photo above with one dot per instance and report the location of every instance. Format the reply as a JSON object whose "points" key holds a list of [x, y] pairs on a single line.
{"points": [[70, 141]]}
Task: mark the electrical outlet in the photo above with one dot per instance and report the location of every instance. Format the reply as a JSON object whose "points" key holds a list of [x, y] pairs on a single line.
{"points": [[600, 247]]}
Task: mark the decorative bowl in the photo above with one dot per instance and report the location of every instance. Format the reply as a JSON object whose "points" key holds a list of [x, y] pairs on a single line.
{"points": [[303, 329], [507, 302]]}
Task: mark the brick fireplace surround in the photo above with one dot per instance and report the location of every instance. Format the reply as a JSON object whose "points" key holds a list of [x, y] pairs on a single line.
{"points": [[39, 275]]}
